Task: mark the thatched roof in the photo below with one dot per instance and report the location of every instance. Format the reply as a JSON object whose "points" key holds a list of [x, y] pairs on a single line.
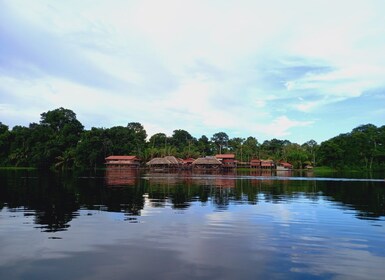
{"points": [[169, 160], [172, 159], [158, 161], [206, 161]]}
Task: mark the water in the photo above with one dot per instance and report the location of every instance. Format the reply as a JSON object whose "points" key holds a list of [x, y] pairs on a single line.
{"points": [[190, 226]]}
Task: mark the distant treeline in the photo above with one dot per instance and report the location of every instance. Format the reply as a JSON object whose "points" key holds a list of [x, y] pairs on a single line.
{"points": [[59, 141]]}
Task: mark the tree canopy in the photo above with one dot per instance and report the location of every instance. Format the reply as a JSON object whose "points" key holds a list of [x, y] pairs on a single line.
{"points": [[60, 141]]}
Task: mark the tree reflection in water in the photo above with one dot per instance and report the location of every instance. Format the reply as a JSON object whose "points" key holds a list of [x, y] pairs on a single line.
{"points": [[55, 200]]}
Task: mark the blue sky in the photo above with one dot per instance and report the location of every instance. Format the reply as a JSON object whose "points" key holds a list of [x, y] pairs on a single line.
{"points": [[295, 70]]}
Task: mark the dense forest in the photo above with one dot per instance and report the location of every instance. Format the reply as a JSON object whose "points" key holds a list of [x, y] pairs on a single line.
{"points": [[59, 141]]}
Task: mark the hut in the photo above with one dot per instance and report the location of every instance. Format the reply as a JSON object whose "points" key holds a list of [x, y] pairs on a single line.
{"points": [[122, 162], [187, 163], [173, 160], [267, 164], [227, 160], [284, 166], [255, 163], [206, 163], [164, 162]]}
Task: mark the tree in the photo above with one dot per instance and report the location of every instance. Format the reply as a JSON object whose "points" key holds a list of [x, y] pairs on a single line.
{"points": [[204, 147], [251, 148], [66, 160], [19, 153], [221, 140], [62, 120], [294, 154], [5, 143], [138, 137], [64, 133], [311, 148], [366, 137], [43, 148], [120, 138], [92, 148], [158, 140], [182, 141], [380, 152], [156, 145], [274, 148], [236, 146], [331, 153]]}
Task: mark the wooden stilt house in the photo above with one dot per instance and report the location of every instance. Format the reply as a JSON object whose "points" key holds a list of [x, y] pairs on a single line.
{"points": [[122, 162], [206, 163], [168, 162], [227, 160]]}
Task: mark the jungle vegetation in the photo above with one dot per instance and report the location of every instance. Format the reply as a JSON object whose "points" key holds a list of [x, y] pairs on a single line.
{"points": [[59, 141]]}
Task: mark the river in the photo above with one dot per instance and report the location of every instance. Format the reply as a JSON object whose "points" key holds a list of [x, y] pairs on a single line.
{"points": [[186, 225]]}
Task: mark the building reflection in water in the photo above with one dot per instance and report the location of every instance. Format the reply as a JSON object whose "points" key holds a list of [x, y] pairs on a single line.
{"points": [[189, 178], [121, 176], [55, 200]]}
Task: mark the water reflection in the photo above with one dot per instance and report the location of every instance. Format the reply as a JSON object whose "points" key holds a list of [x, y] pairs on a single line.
{"points": [[51, 200], [189, 225], [121, 176], [55, 200]]}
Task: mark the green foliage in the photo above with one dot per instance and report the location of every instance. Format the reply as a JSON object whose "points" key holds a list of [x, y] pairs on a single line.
{"points": [[40, 145], [137, 135], [5, 143], [220, 139], [250, 149], [19, 153], [59, 141], [92, 148], [311, 149], [295, 154], [244, 149], [273, 148], [184, 143], [204, 146], [363, 148], [235, 145], [59, 131]]}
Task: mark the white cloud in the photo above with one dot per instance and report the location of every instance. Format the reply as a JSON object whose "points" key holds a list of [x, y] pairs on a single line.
{"points": [[280, 126], [204, 66], [307, 106]]}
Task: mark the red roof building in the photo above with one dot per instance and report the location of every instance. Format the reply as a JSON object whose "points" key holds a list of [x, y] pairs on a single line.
{"points": [[284, 166], [267, 164], [122, 161], [262, 163], [255, 163], [225, 156], [228, 160]]}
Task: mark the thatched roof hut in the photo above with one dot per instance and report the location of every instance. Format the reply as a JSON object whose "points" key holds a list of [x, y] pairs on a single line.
{"points": [[158, 161], [206, 162], [172, 159], [122, 161], [165, 161]]}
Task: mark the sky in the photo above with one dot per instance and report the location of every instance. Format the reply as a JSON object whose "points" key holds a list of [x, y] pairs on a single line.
{"points": [[295, 70]]}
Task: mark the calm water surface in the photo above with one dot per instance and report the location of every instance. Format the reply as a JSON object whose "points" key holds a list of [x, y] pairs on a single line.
{"points": [[131, 225]]}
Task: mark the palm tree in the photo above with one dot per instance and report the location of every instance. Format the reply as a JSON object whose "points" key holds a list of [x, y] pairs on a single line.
{"points": [[66, 160]]}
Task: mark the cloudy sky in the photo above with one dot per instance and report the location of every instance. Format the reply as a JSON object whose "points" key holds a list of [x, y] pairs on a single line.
{"points": [[295, 70]]}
